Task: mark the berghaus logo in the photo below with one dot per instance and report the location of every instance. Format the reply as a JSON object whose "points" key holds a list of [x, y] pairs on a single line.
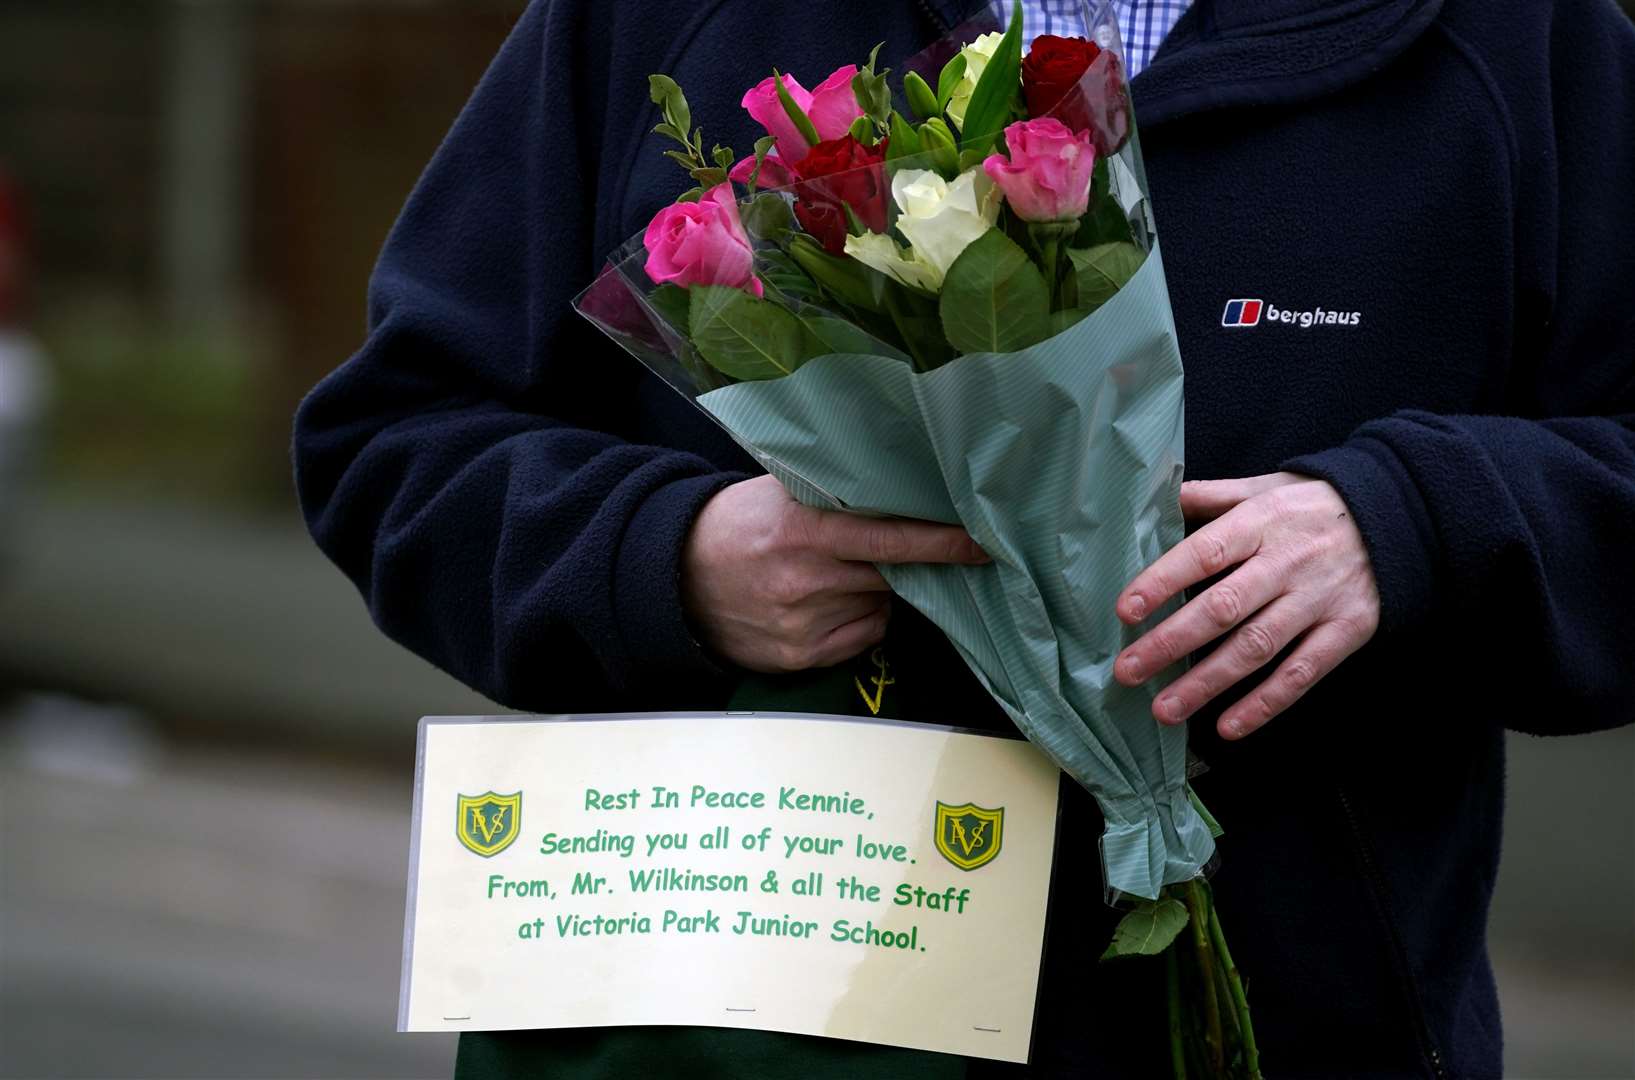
{"points": [[1242, 314]]}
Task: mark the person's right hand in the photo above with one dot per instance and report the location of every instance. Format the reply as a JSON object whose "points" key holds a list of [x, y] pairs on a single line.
{"points": [[774, 586]]}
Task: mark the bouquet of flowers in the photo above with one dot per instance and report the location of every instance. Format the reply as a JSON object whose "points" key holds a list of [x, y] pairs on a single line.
{"points": [[955, 310]]}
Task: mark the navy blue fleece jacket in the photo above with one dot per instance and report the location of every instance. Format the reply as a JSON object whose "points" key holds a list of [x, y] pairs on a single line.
{"points": [[1432, 203]]}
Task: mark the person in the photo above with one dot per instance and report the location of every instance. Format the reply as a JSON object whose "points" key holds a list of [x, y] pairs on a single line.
{"points": [[1401, 249]]}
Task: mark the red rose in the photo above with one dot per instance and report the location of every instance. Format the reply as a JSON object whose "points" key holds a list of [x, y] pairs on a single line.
{"points": [[1080, 84], [834, 174]]}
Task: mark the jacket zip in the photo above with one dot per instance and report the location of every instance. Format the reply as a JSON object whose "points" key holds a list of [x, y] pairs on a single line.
{"points": [[936, 19], [1376, 884]]}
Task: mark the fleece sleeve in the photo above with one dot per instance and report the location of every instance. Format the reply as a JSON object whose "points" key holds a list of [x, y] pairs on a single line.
{"points": [[466, 468], [1517, 533]]}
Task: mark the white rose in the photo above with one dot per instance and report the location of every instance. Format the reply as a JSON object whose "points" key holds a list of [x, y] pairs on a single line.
{"points": [[977, 54], [885, 255], [942, 219], [939, 219]]}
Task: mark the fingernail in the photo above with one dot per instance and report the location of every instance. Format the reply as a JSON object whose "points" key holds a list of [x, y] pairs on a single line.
{"points": [[1231, 729], [1172, 709], [1132, 666], [1137, 607]]}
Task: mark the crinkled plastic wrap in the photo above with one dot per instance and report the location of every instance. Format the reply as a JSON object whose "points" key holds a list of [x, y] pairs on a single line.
{"points": [[1062, 460]]}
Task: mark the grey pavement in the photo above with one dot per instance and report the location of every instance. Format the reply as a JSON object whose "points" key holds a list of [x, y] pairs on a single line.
{"points": [[168, 912], [230, 622]]}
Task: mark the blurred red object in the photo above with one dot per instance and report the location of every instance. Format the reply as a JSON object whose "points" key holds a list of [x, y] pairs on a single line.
{"points": [[13, 251]]}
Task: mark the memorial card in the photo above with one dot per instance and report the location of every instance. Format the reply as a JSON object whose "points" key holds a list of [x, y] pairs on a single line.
{"points": [[856, 879]]}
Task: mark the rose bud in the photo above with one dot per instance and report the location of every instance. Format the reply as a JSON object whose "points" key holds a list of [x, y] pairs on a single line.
{"points": [[702, 243], [1080, 84], [1047, 177], [835, 174]]}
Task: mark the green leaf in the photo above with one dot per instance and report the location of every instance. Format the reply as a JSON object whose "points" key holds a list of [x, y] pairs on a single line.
{"points": [[862, 130], [905, 141], [1105, 222], [763, 147], [920, 97], [1101, 180], [673, 304], [1214, 826], [872, 91], [691, 195], [846, 279], [784, 277], [994, 299], [1103, 270], [710, 177], [1148, 930], [918, 324], [745, 337], [854, 224], [831, 335], [949, 80], [724, 157], [993, 101], [684, 160], [796, 114], [1066, 319], [768, 217], [666, 94]]}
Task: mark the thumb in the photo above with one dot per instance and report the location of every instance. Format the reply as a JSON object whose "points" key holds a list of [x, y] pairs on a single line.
{"points": [[859, 539]]}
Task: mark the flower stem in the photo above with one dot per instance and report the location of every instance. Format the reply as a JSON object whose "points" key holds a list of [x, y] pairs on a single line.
{"points": [[1177, 1047], [901, 319], [1240, 1000], [1052, 253], [1198, 907]]}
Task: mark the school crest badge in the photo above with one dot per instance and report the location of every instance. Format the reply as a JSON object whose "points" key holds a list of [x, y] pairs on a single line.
{"points": [[969, 836], [486, 824]]}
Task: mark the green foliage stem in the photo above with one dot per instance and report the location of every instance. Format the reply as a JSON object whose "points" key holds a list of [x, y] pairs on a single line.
{"points": [[1197, 903], [1240, 998], [1177, 1042]]}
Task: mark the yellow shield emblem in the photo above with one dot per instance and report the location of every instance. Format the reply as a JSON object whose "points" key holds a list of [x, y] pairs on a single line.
{"points": [[969, 836], [487, 823]]}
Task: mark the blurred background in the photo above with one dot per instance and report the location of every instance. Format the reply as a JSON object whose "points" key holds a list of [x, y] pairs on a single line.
{"points": [[206, 749]]}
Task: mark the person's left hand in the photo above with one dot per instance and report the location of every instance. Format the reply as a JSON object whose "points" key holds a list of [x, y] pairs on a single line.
{"points": [[1302, 569]]}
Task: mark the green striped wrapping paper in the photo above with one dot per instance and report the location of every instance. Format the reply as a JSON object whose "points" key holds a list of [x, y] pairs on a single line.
{"points": [[1064, 462]]}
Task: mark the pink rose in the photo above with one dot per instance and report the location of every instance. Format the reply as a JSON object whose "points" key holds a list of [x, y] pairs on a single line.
{"points": [[1048, 174], [831, 108], [702, 243], [774, 173], [834, 106]]}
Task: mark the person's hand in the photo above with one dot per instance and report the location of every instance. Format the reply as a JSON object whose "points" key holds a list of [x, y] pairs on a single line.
{"points": [[774, 586], [1302, 569]]}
